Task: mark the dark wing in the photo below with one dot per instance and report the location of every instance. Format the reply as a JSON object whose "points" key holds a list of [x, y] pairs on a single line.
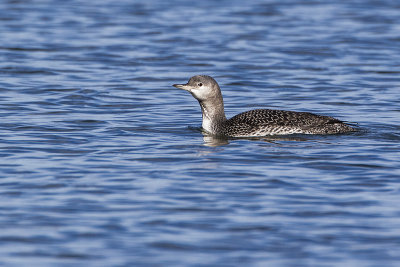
{"points": [[259, 117]]}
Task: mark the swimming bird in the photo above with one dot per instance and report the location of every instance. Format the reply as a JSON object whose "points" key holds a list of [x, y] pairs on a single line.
{"points": [[258, 122]]}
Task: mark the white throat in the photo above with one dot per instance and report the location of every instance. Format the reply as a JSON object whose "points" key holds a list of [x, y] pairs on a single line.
{"points": [[207, 122]]}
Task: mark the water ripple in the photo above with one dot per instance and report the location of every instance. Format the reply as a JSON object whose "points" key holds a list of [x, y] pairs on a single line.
{"points": [[104, 162]]}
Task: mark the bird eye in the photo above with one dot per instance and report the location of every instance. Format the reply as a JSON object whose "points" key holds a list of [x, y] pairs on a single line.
{"points": [[200, 84]]}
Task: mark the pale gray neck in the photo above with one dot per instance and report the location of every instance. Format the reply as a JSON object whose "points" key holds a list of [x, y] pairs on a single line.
{"points": [[213, 114]]}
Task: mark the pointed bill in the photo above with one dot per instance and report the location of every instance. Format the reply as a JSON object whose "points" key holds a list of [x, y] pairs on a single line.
{"points": [[183, 86]]}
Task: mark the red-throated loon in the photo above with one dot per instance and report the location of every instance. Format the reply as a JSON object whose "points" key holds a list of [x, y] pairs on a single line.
{"points": [[258, 122]]}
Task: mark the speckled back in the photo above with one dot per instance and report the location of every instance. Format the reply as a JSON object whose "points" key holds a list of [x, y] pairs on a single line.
{"points": [[262, 122]]}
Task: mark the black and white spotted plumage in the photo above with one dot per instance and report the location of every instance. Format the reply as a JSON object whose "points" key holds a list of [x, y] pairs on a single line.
{"points": [[261, 122], [258, 122]]}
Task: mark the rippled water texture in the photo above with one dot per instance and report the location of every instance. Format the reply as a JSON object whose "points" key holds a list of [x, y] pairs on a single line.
{"points": [[103, 164]]}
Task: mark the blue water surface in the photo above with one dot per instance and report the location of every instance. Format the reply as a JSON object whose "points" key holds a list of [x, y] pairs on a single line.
{"points": [[103, 163]]}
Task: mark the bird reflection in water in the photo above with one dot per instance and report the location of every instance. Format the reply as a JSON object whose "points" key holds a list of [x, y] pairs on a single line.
{"points": [[214, 141]]}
